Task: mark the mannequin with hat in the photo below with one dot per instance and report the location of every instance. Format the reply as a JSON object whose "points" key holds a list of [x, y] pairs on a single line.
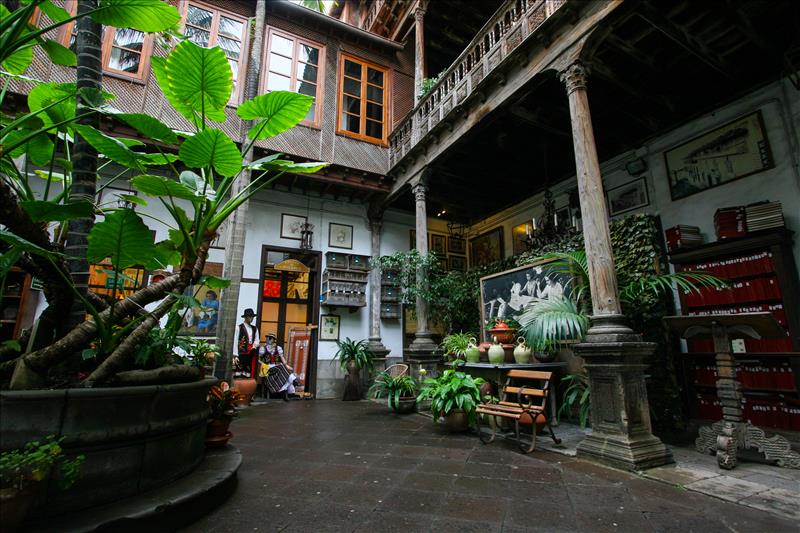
{"points": [[245, 350]]}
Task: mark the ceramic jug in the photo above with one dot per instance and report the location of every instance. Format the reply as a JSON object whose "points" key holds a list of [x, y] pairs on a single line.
{"points": [[472, 353], [497, 355], [522, 353]]}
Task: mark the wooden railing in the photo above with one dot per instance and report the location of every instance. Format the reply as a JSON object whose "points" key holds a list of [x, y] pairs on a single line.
{"points": [[374, 9], [514, 22]]}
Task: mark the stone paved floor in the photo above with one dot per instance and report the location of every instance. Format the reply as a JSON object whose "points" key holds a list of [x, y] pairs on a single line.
{"points": [[353, 466]]}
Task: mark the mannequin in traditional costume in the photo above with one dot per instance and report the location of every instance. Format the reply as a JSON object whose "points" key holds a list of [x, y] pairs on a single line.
{"points": [[245, 350]]}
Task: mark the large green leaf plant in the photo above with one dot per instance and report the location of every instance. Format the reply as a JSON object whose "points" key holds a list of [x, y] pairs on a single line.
{"points": [[192, 179]]}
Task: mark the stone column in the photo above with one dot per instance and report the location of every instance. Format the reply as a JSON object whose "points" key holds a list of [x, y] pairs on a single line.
{"points": [[419, 48], [375, 221], [615, 357], [422, 347]]}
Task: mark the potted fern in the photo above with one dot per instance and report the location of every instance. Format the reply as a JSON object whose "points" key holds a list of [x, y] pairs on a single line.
{"points": [[353, 356], [455, 345], [400, 391]]}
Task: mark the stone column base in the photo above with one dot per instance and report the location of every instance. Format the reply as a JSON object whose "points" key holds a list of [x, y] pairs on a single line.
{"points": [[422, 348], [615, 361]]}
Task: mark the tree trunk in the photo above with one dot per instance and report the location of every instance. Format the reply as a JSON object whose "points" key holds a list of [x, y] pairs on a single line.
{"points": [[158, 376], [237, 222], [84, 157]]}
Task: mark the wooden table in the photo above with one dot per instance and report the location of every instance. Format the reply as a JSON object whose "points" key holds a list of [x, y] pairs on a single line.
{"points": [[732, 433], [502, 368]]}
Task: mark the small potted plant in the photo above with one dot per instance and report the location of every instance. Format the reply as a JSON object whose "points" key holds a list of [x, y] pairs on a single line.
{"points": [[353, 356], [505, 329], [455, 345], [22, 472], [400, 391], [222, 401], [454, 396], [203, 354]]}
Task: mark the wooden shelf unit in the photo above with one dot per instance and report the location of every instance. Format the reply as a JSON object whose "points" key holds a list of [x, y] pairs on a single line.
{"points": [[764, 277], [344, 280]]}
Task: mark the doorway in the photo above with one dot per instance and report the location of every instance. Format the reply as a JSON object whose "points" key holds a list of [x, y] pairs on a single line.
{"points": [[289, 297]]}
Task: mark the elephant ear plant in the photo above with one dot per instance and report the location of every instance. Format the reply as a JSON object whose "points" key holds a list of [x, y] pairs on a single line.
{"points": [[192, 180]]}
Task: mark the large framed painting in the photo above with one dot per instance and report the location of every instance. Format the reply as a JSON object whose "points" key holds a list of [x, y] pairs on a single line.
{"points": [[508, 293], [628, 197], [486, 248], [735, 150]]}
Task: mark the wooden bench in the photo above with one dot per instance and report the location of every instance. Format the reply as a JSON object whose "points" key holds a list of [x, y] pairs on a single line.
{"points": [[524, 395]]}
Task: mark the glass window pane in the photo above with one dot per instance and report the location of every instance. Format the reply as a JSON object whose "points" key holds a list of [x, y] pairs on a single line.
{"points": [[350, 122], [307, 88], [230, 27], [374, 93], [352, 87], [199, 17], [351, 105], [306, 72], [124, 60], [282, 45], [230, 47], [280, 64], [297, 312], [276, 82], [129, 38], [312, 113], [309, 54], [269, 311], [199, 37], [375, 76], [374, 129], [234, 73], [352, 69], [374, 111]]}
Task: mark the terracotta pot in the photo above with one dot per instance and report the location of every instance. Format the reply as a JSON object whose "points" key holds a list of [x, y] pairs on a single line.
{"points": [[218, 426], [247, 388], [504, 335], [352, 383], [406, 405], [456, 421], [14, 505]]}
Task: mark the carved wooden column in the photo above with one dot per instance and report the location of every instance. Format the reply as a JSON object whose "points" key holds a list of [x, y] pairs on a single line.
{"points": [[422, 347], [419, 48], [615, 357], [375, 215]]}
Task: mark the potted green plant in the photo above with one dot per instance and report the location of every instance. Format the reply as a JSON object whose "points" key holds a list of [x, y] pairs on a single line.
{"points": [[454, 396], [577, 394], [455, 345], [22, 472], [353, 356], [222, 400], [400, 391]]}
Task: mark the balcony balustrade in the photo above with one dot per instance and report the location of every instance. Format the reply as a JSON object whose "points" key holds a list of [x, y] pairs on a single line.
{"points": [[512, 24]]}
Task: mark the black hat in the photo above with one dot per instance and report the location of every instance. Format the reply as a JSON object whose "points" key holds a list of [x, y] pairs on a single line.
{"points": [[248, 312]]}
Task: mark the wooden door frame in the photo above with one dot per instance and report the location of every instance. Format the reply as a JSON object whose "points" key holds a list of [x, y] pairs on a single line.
{"points": [[311, 371]]}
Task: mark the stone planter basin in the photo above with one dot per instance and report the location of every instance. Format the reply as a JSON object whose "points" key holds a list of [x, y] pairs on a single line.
{"points": [[134, 438]]}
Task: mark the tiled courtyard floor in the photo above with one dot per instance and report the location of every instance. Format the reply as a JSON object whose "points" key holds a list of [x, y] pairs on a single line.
{"points": [[353, 466]]}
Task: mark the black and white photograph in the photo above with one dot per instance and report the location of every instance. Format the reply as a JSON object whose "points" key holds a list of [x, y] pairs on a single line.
{"points": [[507, 294], [291, 225], [340, 236], [628, 197]]}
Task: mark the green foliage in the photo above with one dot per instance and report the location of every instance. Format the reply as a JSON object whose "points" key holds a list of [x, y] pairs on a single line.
{"points": [[34, 462], [428, 84], [356, 351], [576, 393], [393, 387], [452, 390], [123, 237], [551, 321], [200, 79], [456, 344], [273, 115], [222, 401]]}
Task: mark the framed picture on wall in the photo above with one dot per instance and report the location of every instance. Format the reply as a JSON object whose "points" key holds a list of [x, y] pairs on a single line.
{"points": [[329, 327], [291, 226], [487, 247], [439, 244], [456, 245], [735, 150], [457, 263], [628, 197], [340, 236]]}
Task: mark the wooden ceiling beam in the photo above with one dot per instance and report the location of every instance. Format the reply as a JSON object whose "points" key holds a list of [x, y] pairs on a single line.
{"points": [[638, 92], [682, 38]]}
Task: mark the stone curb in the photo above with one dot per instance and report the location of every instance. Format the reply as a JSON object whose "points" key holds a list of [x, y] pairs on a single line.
{"points": [[167, 508]]}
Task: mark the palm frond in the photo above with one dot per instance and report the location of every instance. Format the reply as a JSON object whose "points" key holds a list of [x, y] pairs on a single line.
{"points": [[549, 321], [658, 284], [574, 265]]}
